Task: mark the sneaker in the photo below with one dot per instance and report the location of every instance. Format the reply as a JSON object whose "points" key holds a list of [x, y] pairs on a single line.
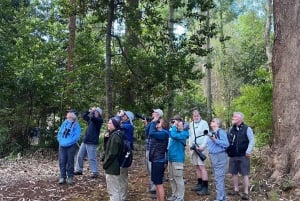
{"points": [[197, 187], [245, 196], [152, 190], [94, 176], [233, 193], [172, 198], [62, 181], [70, 180], [77, 173], [179, 199]]}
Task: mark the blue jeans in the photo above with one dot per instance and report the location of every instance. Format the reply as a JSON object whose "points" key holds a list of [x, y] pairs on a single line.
{"points": [[66, 157], [218, 163], [90, 151]]}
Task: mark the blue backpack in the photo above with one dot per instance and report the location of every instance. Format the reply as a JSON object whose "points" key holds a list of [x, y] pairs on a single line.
{"points": [[126, 155]]}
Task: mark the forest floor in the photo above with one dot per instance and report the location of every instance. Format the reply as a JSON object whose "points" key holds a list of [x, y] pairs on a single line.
{"points": [[35, 177]]}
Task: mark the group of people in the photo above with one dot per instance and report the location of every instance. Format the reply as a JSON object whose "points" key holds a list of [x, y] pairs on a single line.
{"points": [[165, 149]]}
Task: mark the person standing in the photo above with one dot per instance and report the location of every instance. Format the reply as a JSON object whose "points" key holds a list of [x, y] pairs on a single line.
{"points": [[176, 158], [111, 163], [197, 138], [159, 136], [90, 141], [67, 137], [217, 144], [157, 113], [127, 125], [240, 151]]}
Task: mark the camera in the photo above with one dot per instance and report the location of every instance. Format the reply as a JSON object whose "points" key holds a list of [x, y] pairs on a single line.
{"points": [[66, 132], [142, 117], [198, 152], [209, 134]]}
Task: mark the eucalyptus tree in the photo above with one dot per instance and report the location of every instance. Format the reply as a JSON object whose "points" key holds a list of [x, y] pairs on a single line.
{"points": [[286, 94]]}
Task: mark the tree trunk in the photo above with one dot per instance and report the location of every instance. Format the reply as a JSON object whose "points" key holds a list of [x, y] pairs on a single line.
{"points": [[208, 74], [108, 87], [286, 92], [72, 30], [171, 93], [267, 34]]}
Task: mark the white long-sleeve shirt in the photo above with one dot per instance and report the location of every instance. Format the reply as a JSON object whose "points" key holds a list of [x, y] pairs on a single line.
{"points": [[196, 131]]}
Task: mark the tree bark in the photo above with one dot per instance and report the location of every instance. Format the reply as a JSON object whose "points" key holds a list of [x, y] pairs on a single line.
{"points": [[286, 91], [108, 87]]}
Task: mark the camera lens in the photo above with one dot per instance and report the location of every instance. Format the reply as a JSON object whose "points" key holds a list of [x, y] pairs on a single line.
{"points": [[205, 132]]}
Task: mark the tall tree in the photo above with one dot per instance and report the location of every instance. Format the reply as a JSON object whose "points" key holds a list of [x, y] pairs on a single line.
{"points": [[169, 74], [208, 72], [108, 55], [286, 92]]}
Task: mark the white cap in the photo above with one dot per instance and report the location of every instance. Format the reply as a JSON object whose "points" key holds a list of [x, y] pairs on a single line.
{"points": [[159, 111], [130, 116], [99, 110]]}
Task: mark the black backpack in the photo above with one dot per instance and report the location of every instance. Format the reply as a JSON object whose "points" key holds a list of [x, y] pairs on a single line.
{"points": [[125, 157], [231, 137]]}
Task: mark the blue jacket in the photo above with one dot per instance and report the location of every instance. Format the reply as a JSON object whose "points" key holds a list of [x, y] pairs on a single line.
{"points": [[93, 130], [66, 139], [129, 129], [176, 152], [158, 143], [220, 144]]}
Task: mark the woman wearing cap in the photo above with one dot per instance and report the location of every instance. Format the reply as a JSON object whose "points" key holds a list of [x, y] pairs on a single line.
{"points": [[90, 141], [176, 158], [67, 137], [111, 163], [127, 125], [159, 138]]}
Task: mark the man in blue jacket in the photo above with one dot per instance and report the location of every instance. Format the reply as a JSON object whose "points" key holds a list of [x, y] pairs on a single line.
{"points": [[176, 158], [67, 137], [90, 141]]}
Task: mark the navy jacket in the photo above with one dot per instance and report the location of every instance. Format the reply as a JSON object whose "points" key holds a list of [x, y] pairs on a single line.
{"points": [[93, 130]]}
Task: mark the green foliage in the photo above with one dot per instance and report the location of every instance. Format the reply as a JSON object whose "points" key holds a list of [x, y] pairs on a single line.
{"points": [[256, 104]]}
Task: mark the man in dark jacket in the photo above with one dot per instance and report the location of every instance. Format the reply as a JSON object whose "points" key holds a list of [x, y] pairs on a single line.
{"points": [[242, 143], [90, 141], [159, 136]]}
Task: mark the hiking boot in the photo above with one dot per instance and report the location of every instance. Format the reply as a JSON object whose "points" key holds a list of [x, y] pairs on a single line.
{"points": [[233, 193], [77, 173], [245, 196], [70, 180], [203, 191], [62, 181], [198, 187], [172, 198]]}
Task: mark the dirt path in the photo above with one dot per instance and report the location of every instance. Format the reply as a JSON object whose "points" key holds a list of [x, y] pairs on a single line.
{"points": [[36, 179]]}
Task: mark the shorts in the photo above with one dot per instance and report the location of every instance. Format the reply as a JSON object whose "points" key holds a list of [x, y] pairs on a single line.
{"points": [[195, 159], [157, 172], [239, 164]]}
